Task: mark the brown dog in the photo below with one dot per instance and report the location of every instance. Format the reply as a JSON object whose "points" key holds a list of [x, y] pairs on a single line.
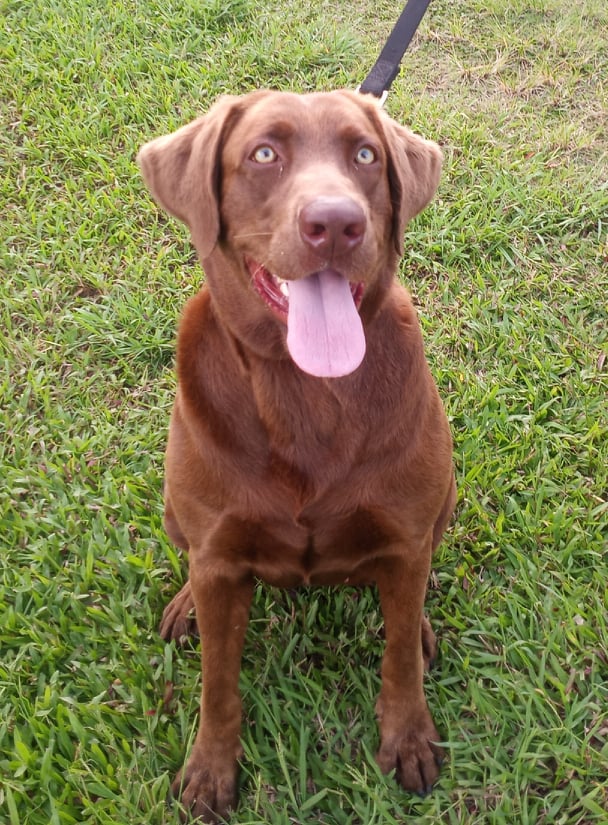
{"points": [[308, 444]]}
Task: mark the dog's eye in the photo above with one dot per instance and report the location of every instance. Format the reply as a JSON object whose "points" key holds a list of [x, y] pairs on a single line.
{"points": [[365, 155], [264, 154]]}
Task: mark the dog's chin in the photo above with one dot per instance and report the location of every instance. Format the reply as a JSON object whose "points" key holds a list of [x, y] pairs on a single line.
{"points": [[274, 290]]}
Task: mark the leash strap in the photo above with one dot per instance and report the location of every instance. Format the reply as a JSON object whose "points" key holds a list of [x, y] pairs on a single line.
{"points": [[386, 68]]}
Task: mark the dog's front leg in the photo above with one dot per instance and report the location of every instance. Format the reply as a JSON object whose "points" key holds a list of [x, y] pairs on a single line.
{"points": [[208, 782], [407, 732]]}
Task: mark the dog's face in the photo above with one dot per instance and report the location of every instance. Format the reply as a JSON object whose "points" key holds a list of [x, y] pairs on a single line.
{"points": [[297, 205]]}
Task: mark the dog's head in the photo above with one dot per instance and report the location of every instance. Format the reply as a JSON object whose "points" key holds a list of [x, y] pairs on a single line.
{"points": [[297, 205]]}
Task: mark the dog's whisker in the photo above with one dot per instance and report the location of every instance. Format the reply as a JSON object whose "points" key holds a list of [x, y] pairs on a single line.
{"points": [[242, 235]]}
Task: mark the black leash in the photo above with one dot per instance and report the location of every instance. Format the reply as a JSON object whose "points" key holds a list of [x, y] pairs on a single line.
{"points": [[386, 68]]}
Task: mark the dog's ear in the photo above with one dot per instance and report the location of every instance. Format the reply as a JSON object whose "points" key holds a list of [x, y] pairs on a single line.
{"points": [[414, 167], [183, 172]]}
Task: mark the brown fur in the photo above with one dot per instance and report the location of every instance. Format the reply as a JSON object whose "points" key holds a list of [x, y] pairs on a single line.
{"points": [[274, 473]]}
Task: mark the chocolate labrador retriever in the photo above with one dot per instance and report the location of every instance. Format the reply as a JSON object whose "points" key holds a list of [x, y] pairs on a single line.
{"points": [[308, 444]]}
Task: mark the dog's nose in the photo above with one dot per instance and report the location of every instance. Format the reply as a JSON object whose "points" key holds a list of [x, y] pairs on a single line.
{"points": [[332, 225]]}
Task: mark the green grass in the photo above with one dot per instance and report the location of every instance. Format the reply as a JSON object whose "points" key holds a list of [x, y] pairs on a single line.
{"points": [[509, 270]]}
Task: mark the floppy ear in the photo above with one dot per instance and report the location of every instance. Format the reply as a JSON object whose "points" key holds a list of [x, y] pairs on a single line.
{"points": [[414, 167], [183, 172]]}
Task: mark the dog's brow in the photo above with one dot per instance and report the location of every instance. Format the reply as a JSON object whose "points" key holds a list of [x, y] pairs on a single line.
{"points": [[279, 129], [353, 133]]}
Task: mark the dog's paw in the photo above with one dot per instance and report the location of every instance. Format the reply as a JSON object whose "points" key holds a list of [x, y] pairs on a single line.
{"points": [[178, 621], [412, 753], [207, 791], [429, 644]]}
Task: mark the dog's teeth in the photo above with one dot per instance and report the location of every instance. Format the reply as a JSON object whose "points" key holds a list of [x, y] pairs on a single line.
{"points": [[283, 285]]}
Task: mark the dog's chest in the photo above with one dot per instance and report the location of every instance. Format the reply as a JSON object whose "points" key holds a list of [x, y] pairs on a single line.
{"points": [[335, 550], [313, 432]]}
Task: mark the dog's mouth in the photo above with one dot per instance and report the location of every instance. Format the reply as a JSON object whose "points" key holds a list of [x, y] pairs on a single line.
{"points": [[324, 331], [274, 291]]}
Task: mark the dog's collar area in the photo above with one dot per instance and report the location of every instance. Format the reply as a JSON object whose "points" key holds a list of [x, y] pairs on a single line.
{"points": [[386, 68], [380, 99]]}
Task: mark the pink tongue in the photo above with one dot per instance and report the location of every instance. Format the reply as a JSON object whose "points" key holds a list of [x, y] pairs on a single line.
{"points": [[324, 331]]}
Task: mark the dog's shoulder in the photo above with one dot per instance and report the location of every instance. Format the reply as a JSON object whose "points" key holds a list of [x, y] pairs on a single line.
{"points": [[394, 336], [209, 370]]}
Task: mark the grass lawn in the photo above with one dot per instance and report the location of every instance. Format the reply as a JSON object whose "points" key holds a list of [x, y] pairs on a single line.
{"points": [[508, 267]]}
